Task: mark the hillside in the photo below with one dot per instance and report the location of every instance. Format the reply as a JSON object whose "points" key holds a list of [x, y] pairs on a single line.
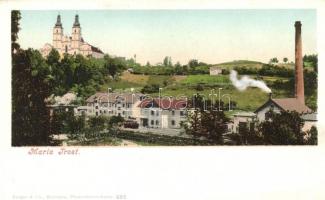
{"points": [[240, 63], [251, 64]]}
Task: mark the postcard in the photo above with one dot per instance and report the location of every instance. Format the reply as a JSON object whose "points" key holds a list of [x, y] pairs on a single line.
{"points": [[125, 81]]}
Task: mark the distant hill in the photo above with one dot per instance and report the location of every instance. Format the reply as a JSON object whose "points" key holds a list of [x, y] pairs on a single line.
{"points": [[240, 63], [250, 64]]}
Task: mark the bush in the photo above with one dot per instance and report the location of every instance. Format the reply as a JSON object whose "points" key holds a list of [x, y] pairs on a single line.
{"points": [[153, 88]]}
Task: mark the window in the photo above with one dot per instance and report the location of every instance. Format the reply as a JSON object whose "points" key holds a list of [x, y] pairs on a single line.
{"points": [[173, 112], [152, 122], [242, 127], [173, 122], [181, 113], [157, 122], [267, 115], [152, 112], [157, 113], [96, 107], [251, 126]]}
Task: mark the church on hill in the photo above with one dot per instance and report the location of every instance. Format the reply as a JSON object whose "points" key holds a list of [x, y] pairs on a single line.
{"points": [[73, 44]]}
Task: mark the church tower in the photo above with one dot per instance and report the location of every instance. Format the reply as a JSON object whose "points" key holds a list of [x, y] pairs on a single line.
{"points": [[76, 35], [58, 34]]}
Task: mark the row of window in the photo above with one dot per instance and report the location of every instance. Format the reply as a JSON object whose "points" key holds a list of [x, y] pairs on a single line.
{"points": [[181, 113], [157, 122], [106, 105]]}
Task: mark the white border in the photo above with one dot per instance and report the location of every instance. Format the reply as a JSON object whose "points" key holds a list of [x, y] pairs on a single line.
{"points": [[166, 172]]}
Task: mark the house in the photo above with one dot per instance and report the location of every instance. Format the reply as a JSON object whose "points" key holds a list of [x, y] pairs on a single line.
{"points": [[278, 105], [243, 119], [215, 70], [112, 104], [310, 120], [62, 103], [288, 104], [162, 113]]}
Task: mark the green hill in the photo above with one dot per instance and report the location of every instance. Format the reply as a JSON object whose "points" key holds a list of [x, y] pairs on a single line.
{"points": [[240, 63]]}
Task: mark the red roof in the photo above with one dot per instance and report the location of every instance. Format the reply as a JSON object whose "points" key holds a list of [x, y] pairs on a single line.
{"points": [[287, 104], [164, 103]]}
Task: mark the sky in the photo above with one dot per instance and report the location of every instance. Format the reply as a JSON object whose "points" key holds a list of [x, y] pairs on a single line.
{"points": [[211, 36]]}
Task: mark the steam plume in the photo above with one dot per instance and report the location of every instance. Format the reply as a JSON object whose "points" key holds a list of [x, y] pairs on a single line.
{"points": [[246, 82]]}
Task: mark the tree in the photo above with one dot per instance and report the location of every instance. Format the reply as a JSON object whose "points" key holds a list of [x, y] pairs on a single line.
{"points": [[285, 60], [98, 123], [167, 61], [153, 88], [30, 89], [283, 128], [115, 120], [114, 66], [193, 63], [57, 73], [274, 60], [312, 133], [312, 60], [15, 17], [205, 120]]}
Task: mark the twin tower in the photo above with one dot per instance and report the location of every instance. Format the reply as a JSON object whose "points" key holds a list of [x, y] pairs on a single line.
{"points": [[67, 44], [73, 44]]}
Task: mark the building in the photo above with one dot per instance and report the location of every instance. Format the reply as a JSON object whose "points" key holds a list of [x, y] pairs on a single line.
{"points": [[310, 120], [113, 104], [278, 105], [297, 103], [243, 119], [73, 44], [215, 70], [163, 113]]}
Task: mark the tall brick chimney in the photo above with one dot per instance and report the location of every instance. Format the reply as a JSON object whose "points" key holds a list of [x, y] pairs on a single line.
{"points": [[299, 73]]}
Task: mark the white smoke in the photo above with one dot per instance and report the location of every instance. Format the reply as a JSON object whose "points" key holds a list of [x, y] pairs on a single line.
{"points": [[245, 82]]}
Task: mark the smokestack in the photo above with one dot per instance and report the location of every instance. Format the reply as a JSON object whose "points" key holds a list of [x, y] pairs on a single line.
{"points": [[299, 73]]}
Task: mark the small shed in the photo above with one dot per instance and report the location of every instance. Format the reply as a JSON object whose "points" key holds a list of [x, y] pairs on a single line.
{"points": [[215, 70]]}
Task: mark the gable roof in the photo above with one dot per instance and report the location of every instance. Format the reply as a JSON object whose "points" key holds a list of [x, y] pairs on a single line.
{"points": [[162, 103], [287, 104], [113, 97], [96, 49]]}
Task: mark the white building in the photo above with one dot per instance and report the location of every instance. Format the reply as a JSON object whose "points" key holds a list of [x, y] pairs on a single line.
{"points": [[73, 44], [215, 70], [243, 119], [287, 104], [310, 120], [278, 105], [162, 113], [113, 104]]}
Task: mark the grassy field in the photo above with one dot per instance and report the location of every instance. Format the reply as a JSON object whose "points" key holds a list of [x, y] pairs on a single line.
{"points": [[178, 86]]}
